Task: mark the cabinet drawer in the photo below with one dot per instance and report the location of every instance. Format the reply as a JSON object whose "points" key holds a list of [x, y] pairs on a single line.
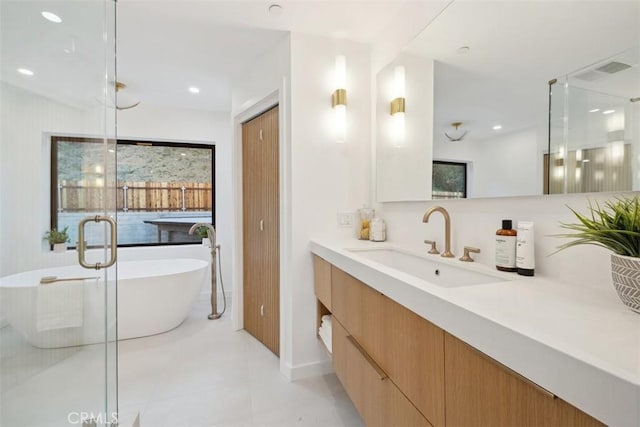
{"points": [[376, 398], [360, 309], [414, 359], [322, 281], [482, 392], [406, 346]]}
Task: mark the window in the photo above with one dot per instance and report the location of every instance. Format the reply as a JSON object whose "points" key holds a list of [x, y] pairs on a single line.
{"points": [[162, 189], [449, 180]]}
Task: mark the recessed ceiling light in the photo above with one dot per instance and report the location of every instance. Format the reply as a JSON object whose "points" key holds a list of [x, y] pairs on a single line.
{"points": [[50, 16], [463, 49], [275, 9], [497, 127], [595, 110], [183, 154], [25, 71], [608, 111], [194, 89]]}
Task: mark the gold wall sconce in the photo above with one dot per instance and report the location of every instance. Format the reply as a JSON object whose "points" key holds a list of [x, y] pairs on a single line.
{"points": [[339, 98], [398, 133]]}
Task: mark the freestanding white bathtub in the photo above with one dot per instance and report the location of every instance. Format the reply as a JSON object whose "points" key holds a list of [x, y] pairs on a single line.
{"points": [[153, 297]]}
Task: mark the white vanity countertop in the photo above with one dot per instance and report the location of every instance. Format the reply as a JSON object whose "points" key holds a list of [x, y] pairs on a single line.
{"points": [[582, 344]]}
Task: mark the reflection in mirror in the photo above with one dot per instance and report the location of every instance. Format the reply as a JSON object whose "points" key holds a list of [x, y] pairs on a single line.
{"points": [[493, 62], [592, 137], [403, 143]]}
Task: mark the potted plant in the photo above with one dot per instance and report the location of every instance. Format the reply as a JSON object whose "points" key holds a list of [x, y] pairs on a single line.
{"points": [[616, 227], [57, 239], [202, 232]]}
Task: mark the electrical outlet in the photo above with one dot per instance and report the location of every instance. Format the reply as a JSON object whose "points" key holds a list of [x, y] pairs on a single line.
{"points": [[345, 219]]}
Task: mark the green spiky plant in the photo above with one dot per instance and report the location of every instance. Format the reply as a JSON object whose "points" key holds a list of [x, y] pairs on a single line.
{"points": [[54, 236], [202, 232], [616, 226]]}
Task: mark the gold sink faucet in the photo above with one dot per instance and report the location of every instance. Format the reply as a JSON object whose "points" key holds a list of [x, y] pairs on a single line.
{"points": [[447, 229]]}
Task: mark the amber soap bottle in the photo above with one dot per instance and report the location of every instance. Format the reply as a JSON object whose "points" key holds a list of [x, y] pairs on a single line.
{"points": [[506, 247]]}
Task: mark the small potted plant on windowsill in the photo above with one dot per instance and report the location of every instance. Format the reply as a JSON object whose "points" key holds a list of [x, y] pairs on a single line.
{"points": [[202, 232], [57, 239], [617, 228]]}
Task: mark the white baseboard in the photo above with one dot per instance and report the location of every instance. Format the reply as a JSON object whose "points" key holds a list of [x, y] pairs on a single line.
{"points": [[308, 370]]}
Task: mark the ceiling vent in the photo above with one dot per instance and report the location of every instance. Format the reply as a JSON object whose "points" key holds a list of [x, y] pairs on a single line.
{"points": [[613, 67], [602, 71]]}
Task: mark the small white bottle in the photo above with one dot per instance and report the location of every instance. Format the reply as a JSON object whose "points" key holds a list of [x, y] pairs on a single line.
{"points": [[525, 253]]}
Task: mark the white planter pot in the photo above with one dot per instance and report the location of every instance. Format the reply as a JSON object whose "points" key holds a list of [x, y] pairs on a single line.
{"points": [[205, 241], [59, 247], [625, 271]]}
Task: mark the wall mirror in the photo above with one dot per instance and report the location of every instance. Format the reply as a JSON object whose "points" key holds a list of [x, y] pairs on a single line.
{"points": [[491, 108]]}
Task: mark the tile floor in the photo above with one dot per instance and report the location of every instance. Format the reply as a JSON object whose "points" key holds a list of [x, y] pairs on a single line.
{"points": [[202, 373]]}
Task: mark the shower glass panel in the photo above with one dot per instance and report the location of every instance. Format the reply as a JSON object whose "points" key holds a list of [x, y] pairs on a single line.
{"points": [[593, 128], [58, 337]]}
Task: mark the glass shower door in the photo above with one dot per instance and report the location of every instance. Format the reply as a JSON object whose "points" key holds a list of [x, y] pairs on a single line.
{"points": [[593, 128], [58, 338]]}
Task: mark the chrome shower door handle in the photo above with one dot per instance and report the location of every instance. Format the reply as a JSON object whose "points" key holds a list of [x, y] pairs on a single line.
{"points": [[82, 247]]}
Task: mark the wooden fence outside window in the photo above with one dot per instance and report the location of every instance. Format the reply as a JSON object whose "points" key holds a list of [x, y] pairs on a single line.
{"points": [[78, 196]]}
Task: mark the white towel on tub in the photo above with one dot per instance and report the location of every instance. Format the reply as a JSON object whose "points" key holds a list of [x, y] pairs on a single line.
{"points": [[60, 304]]}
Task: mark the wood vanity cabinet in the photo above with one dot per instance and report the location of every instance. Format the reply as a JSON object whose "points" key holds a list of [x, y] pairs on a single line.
{"points": [[378, 400], [482, 392], [322, 281], [401, 370], [407, 348]]}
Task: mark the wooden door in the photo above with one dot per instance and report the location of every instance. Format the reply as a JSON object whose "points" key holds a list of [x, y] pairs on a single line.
{"points": [[261, 246]]}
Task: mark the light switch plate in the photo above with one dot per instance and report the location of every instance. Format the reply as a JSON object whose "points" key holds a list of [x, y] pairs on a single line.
{"points": [[345, 219]]}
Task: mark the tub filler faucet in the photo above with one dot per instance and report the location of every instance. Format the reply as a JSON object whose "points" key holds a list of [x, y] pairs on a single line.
{"points": [[447, 229], [211, 235]]}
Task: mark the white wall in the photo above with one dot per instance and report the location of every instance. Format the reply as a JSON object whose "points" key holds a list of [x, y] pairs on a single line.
{"points": [[326, 177], [26, 119], [318, 176], [474, 223], [507, 165]]}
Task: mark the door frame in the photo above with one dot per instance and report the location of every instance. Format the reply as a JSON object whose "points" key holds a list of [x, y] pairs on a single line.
{"points": [[244, 114]]}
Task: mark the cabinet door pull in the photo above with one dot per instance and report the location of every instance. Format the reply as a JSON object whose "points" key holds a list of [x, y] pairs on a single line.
{"points": [[381, 374], [517, 375]]}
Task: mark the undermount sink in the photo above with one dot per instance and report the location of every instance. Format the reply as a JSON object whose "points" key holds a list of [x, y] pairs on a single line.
{"points": [[438, 273]]}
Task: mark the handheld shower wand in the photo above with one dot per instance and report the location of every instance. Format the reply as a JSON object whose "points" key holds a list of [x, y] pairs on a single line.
{"points": [[211, 235]]}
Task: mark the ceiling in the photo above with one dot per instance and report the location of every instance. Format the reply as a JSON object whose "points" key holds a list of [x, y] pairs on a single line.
{"points": [[515, 48], [164, 47]]}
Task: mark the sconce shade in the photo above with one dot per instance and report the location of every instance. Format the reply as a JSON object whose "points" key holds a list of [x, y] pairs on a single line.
{"points": [[398, 131], [341, 72]]}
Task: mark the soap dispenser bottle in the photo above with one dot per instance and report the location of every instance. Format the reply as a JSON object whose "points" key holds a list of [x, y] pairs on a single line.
{"points": [[506, 247]]}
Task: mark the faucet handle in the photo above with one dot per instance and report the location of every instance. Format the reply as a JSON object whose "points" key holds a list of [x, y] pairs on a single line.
{"points": [[466, 257], [433, 249]]}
